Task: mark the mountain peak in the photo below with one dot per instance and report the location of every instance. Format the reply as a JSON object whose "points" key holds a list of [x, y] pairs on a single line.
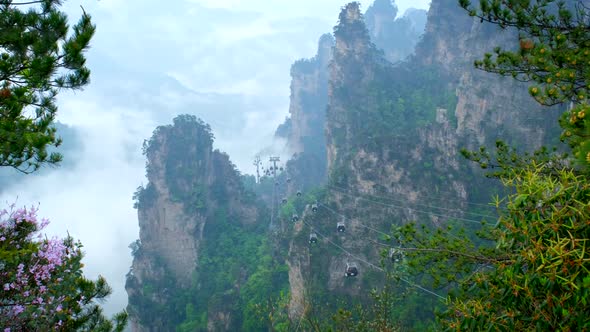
{"points": [[383, 7]]}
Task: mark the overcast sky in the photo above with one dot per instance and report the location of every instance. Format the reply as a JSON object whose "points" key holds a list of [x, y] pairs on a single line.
{"points": [[226, 61]]}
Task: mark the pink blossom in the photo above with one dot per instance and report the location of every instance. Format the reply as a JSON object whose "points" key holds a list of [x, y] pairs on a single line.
{"points": [[18, 309], [33, 277], [44, 223]]}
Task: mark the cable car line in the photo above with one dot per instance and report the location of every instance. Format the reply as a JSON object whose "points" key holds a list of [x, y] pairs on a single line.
{"points": [[487, 205], [375, 266], [391, 247], [355, 271], [346, 251], [346, 192], [389, 197], [381, 244], [413, 209], [344, 217], [363, 225]]}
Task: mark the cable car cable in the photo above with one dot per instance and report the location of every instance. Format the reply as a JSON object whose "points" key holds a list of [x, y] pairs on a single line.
{"points": [[388, 197], [436, 213], [377, 267], [381, 244], [343, 216], [487, 205], [416, 210], [363, 225]]}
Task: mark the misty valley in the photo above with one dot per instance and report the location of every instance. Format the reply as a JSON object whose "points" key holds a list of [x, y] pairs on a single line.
{"points": [[426, 169]]}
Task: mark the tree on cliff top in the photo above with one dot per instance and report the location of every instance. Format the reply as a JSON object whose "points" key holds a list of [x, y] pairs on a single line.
{"points": [[39, 56]]}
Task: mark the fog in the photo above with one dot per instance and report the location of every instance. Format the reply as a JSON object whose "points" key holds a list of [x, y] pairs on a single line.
{"points": [[226, 61]]}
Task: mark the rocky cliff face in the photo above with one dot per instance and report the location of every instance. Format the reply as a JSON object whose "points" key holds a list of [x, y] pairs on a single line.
{"points": [[397, 37], [188, 183], [485, 101], [456, 106], [395, 131], [305, 127], [309, 91]]}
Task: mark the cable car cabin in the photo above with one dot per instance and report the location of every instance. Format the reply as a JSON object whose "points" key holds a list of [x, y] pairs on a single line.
{"points": [[313, 238], [299, 194], [395, 255], [284, 200], [295, 218], [314, 208], [340, 226], [351, 270], [288, 180]]}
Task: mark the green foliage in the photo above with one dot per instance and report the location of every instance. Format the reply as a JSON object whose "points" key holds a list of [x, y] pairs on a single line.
{"points": [[506, 159], [391, 105], [539, 279], [351, 27], [135, 247], [188, 144], [230, 253], [40, 55], [385, 308], [144, 197], [378, 315], [375, 101], [72, 144], [526, 272], [553, 53], [193, 321]]}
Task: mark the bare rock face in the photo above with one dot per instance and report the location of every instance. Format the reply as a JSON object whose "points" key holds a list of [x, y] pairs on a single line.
{"points": [[309, 86], [483, 100], [187, 182]]}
